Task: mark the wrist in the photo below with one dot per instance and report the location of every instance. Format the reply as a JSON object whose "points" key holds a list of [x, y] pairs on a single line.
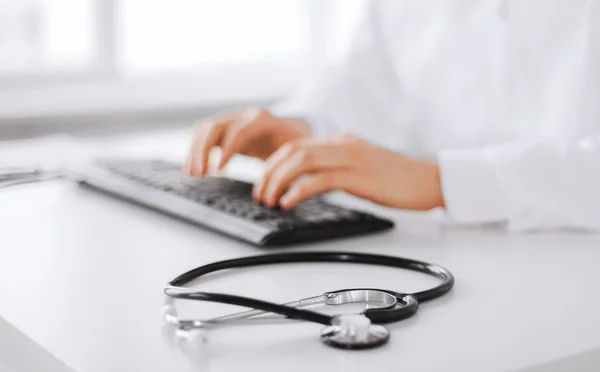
{"points": [[432, 196], [437, 195]]}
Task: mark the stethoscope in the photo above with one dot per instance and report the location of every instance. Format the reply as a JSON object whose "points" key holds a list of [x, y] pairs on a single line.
{"points": [[347, 331]]}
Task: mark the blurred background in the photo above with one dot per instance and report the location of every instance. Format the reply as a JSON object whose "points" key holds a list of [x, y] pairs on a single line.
{"points": [[95, 66]]}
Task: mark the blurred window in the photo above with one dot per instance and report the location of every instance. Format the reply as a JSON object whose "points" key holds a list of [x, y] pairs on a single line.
{"points": [[46, 35], [133, 37], [67, 56], [189, 34]]}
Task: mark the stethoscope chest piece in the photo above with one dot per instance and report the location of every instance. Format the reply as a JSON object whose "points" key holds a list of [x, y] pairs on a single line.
{"points": [[354, 331]]}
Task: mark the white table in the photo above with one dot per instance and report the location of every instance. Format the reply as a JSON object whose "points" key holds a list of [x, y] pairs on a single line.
{"points": [[81, 278]]}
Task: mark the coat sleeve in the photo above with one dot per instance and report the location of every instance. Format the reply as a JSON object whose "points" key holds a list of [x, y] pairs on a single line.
{"points": [[530, 186], [359, 91]]}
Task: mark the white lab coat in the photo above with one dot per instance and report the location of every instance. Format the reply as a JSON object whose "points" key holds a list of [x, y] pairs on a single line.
{"points": [[504, 94]]}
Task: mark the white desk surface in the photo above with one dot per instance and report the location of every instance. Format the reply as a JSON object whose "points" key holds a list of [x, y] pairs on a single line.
{"points": [[81, 277]]}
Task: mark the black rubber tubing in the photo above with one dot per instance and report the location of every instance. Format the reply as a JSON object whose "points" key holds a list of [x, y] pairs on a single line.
{"points": [[408, 306]]}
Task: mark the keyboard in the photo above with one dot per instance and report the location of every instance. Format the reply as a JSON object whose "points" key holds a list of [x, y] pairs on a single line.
{"points": [[225, 205]]}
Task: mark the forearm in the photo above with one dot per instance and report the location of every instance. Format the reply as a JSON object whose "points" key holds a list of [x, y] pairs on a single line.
{"points": [[427, 191]]}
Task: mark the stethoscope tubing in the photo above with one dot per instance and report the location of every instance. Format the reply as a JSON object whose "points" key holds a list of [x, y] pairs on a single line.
{"points": [[409, 303], [290, 312]]}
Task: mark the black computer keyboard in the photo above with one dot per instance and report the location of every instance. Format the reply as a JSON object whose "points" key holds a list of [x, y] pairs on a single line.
{"points": [[226, 205]]}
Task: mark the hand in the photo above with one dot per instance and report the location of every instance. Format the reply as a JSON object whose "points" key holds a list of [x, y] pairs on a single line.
{"points": [[308, 167], [253, 132]]}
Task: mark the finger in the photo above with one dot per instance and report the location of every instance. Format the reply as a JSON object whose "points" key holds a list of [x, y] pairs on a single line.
{"points": [[234, 141], [273, 162], [209, 136], [316, 184], [199, 135], [248, 126], [315, 157], [199, 132], [187, 164], [186, 168]]}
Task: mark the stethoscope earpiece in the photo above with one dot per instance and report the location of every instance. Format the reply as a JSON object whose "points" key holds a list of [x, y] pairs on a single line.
{"points": [[169, 313]]}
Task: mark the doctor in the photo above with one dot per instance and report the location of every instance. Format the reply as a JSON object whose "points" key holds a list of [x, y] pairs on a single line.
{"points": [[489, 109]]}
